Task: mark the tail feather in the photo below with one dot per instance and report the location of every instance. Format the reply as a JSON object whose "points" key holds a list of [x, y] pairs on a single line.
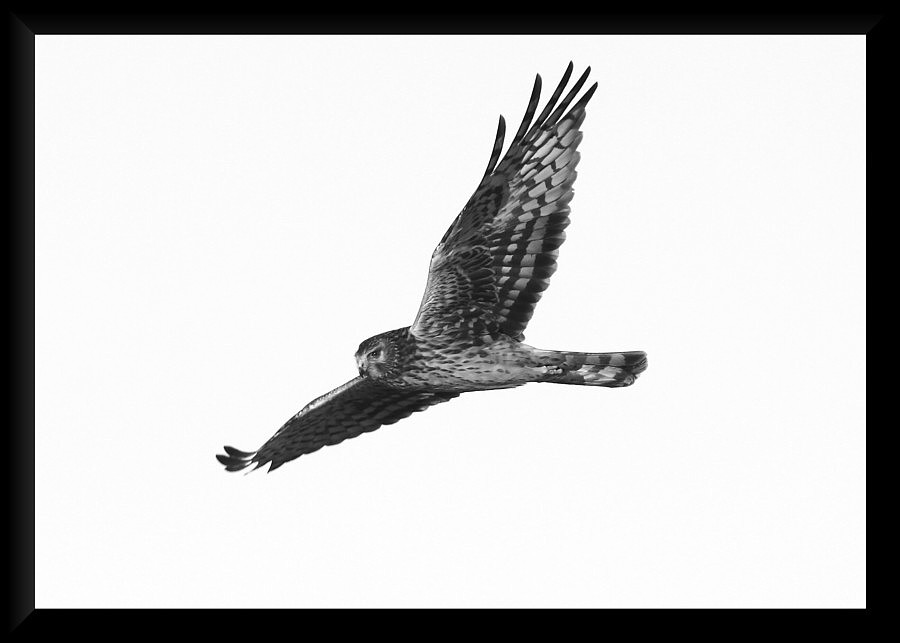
{"points": [[593, 369]]}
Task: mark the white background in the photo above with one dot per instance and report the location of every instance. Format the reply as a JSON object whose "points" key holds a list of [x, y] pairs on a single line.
{"points": [[221, 220]]}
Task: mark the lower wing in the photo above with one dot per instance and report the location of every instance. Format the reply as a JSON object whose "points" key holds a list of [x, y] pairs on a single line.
{"points": [[359, 406]]}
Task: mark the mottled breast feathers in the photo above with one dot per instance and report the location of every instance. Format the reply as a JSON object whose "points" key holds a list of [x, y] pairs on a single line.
{"points": [[494, 262]]}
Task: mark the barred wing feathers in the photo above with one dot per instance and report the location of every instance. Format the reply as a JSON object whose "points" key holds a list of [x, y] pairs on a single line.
{"points": [[496, 259], [359, 406]]}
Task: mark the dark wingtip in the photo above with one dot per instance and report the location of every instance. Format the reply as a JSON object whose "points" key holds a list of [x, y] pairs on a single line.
{"points": [[236, 459], [238, 453], [584, 99], [539, 122], [561, 109], [498, 146], [529, 112]]}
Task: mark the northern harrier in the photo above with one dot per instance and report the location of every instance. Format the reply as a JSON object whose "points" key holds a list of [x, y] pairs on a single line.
{"points": [[485, 278]]}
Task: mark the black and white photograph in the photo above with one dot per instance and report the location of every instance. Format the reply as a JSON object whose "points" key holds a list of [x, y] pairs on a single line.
{"points": [[455, 321]]}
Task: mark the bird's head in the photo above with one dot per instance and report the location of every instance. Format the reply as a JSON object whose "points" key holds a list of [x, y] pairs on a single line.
{"points": [[377, 356]]}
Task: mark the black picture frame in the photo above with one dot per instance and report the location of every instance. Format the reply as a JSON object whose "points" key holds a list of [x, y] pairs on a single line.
{"points": [[23, 26]]}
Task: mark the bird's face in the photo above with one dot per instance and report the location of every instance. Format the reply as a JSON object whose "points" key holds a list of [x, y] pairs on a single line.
{"points": [[373, 357]]}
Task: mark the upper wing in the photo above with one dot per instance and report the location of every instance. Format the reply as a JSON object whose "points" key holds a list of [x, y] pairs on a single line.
{"points": [[489, 270], [356, 407]]}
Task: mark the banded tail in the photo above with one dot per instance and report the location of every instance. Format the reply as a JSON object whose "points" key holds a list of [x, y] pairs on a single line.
{"points": [[592, 369]]}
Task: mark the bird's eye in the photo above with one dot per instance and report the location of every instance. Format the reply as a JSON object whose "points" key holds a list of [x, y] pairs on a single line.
{"points": [[375, 354]]}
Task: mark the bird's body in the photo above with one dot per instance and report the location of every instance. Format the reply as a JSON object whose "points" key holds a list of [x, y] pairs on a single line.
{"points": [[496, 362], [456, 366], [486, 276]]}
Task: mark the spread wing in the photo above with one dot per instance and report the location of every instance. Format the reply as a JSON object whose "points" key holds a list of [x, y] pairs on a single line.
{"points": [[494, 262], [359, 406]]}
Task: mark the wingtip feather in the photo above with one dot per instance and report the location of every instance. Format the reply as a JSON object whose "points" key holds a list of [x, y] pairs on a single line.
{"points": [[238, 453], [235, 459], [558, 112]]}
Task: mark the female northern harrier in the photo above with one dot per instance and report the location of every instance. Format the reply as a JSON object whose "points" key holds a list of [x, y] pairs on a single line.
{"points": [[486, 276]]}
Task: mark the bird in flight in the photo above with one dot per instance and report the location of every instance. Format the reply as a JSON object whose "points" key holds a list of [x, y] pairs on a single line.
{"points": [[486, 276]]}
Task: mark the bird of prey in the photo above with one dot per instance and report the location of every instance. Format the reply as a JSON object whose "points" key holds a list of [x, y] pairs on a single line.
{"points": [[486, 276]]}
